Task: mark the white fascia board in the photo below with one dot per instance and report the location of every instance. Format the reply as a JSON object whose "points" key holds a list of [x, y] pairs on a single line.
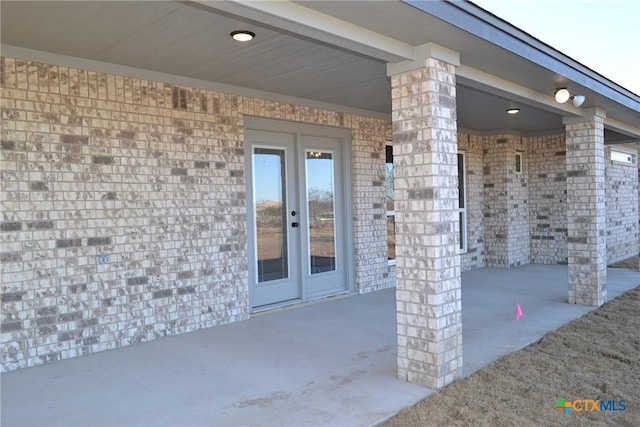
{"points": [[309, 23], [621, 127], [481, 80]]}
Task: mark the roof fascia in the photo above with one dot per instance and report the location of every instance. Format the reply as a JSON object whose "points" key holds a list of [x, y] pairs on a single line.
{"points": [[620, 127], [318, 26], [482, 24]]}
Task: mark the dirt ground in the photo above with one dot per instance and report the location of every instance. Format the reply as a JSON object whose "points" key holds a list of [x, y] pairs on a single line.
{"points": [[594, 357], [631, 263]]}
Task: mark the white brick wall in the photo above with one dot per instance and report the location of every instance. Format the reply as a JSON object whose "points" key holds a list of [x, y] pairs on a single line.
{"points": [[151, 175], [472, 147], [506, 198], [547, 199], [623, 240]]}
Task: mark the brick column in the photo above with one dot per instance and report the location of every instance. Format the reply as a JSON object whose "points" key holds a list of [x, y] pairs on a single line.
{"points": [[428, 295], [586, 210]]}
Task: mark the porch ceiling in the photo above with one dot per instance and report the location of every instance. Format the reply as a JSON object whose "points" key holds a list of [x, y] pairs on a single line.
{"points": [[192, 40]]}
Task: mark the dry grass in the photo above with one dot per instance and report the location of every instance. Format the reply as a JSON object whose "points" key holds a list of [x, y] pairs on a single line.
{"points": [[594, 357], [631, 263]]}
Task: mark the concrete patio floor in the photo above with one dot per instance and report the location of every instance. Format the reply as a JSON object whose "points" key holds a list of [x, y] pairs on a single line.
{"points": [[331, 363]]}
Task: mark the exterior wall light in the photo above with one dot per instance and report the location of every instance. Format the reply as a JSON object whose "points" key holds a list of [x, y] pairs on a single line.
{"points": [[563, 95], [242, 36], [577, 100], [513, 111]]}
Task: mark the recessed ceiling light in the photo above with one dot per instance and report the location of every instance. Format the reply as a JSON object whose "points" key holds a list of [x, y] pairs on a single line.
{"points": [[513, 111], [243, 36]]}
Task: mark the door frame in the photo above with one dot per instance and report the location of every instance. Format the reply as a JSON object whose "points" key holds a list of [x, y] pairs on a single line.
{"points": [[300, 129]]}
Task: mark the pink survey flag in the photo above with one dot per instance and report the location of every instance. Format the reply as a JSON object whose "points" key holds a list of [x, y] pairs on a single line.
{"points": [[518, 312]]}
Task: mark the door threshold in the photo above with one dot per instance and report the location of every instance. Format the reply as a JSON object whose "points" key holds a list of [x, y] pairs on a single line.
{"points": [[298, 303]]}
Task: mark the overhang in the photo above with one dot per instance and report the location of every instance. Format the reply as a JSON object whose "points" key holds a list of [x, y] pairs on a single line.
{"points": [[328, 53]]}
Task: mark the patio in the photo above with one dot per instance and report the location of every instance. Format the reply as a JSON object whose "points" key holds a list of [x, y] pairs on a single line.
{"points": [[330, 363]]}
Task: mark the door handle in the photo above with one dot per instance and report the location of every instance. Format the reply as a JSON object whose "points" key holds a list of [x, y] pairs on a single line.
{"points": [[295, 224]]}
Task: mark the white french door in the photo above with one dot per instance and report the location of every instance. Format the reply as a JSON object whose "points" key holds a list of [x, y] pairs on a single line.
{"points": [[297, 224]]}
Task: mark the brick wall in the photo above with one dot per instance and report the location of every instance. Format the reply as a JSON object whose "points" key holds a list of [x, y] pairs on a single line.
{"points": [[518, 203], [548, 199], [124, 214], [495, 201], [370, 212], [506, 208], [471, 145], [109, 221], [622, 209], [124, 217]]}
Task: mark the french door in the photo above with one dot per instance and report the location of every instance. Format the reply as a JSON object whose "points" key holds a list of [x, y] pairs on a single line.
{"points": [[297, 227]]}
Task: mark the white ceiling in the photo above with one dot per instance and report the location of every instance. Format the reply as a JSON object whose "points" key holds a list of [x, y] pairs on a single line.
{"points": [[192, 40]]}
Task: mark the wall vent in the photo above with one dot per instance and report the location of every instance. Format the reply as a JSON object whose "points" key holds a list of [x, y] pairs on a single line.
{"points": [[203, 103], [179, 97]]}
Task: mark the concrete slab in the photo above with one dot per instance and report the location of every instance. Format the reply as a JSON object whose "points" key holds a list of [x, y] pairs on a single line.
{"points": [[330, 363], [489, 298]]}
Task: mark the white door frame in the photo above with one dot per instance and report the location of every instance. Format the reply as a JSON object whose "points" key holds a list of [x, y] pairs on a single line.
{"points": [[300, 130]]}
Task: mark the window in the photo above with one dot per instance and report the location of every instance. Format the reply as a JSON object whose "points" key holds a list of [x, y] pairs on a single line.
{"points": [[462, 205], [620, 156], [462, 202], [518, 163], [391, 215]]}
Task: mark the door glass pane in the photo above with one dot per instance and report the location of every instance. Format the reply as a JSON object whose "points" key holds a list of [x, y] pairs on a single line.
{"points": [[389, 176], [463, 230], [461, 195], [270, 195], [320, 204]]}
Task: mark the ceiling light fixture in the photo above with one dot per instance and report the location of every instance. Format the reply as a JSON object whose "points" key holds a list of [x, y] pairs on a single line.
{"points": [[563, 95], [513, 111], [242, 36]]}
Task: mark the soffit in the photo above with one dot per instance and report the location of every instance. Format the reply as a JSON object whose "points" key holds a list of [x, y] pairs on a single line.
{"points": [[419, 28]]}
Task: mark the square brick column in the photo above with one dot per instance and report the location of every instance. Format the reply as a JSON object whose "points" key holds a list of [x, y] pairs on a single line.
{"points": [[428, 294], [586, 209]]}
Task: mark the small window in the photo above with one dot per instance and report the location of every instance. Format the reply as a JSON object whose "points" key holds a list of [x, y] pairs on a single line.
{"points": [[391, 214], [518, 163], [621, 156]]}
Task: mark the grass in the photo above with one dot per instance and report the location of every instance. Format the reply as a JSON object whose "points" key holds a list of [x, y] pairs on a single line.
{"points": [[594, 357], [631, 263]]}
